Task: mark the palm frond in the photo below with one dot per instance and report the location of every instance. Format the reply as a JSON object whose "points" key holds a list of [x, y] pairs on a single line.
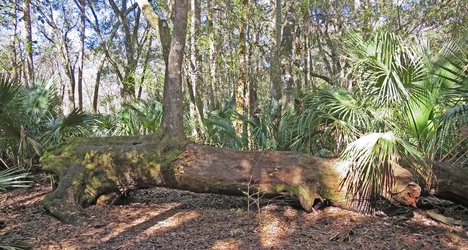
{"points": [[13, 178], [452, 70], [9, 93], [77, 123], [371, 160], [387, 69]]}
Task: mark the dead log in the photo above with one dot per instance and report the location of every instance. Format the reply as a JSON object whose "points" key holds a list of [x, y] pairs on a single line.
{"points": [[92, 169]]}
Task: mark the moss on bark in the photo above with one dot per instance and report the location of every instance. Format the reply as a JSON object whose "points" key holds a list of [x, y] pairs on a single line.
{"points": [[90, 167]]}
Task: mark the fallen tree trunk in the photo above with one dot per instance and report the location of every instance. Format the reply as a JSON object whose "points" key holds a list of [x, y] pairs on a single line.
{"points": [[94, 170]]}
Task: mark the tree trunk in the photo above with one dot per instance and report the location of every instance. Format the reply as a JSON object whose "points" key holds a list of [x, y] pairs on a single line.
{"points": [[196, 103], [213, 53], [97, 83], [14, 39], [94, 170], [242, 70], [81, 6], [286, 57], [275, 73], [29, 41], [172, 124]]}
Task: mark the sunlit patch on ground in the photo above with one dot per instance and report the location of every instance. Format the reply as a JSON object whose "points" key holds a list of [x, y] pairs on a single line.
{"points": [[170, 223], [230, 244]]}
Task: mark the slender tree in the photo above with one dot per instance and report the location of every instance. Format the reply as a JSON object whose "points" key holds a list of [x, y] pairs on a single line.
{"points": [[130, 41], [242, 71], [81, 5], [212, 55], [172, 125], [195, 69], [57, 30], [29, 41], [286, 56], [275, 73]]}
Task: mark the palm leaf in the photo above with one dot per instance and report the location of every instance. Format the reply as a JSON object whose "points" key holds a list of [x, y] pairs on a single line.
{"points": [[371, 160], [76, 123], [13, 178], [387, 68]]}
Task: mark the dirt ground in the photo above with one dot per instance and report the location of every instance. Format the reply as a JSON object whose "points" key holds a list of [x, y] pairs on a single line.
{"points": [[161, 218]]}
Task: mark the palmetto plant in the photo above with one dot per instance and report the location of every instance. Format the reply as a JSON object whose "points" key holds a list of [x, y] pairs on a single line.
{"points": [[418, 101], [219, 126], [30, 120], [331, 119], [140, 117], [450, 93], [220, 131], [371, 160]]}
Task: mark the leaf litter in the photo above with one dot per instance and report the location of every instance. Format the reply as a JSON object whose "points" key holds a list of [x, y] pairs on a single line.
{"points": [[161, 218]]}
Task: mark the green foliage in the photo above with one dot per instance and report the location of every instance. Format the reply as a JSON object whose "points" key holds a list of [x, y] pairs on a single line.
{"points": [[13, 178], [423, 103], [386, 68], [140, 117], [220, 131], [30, 120], [448, 90], [330, 119], [219, 126]]}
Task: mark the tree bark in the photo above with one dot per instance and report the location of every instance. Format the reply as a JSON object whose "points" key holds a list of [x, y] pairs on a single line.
{"points": [[97, 83], [275, 41], [81, 5], [196, 100], [242, 73], [172, 124], [214, 100], [89, 168], [286, 57], [29, 41], [94, 169]]}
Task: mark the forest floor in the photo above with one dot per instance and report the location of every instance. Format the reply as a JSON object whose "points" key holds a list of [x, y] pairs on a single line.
{"points": [[161, 218]]}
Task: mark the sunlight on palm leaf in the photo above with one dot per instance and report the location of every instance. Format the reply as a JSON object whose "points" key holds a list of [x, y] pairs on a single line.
{"points": [[371, 160], [447, 142], [419, 117], [450, 79]]}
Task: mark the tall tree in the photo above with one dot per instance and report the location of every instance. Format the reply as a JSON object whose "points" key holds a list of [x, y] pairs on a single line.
{"points": [[56, 26], [131, 46], [104, 44], [275, 73], [29, 40], [286, 55], [241, 86], [82, 33], [172, 125], [172, 119], [195, 68], [212, 55]]}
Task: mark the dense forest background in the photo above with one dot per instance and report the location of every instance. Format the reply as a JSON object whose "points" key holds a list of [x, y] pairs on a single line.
{"points": [[371, 81]]}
